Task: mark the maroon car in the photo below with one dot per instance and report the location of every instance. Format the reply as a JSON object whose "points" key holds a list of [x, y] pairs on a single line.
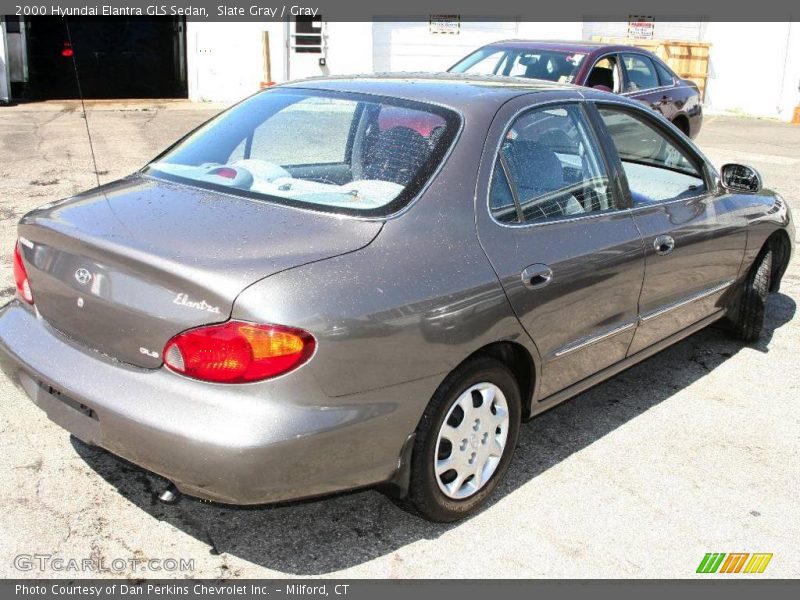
{"points": [[625, 70]]}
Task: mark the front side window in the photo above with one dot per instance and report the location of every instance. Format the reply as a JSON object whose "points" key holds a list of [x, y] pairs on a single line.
{"points": [[549, 167], [641, 73], [332, 151], [657, 168], [604, 75]]}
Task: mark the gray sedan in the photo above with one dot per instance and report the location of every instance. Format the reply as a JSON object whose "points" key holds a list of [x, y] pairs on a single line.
{"points": [[373, 281]]}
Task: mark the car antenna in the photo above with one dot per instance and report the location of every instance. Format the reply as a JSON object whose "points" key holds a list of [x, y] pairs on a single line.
{"points": [[83, 104]]}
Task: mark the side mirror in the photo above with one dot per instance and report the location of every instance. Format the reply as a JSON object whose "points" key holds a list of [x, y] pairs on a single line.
{"points": [[740, 178]]}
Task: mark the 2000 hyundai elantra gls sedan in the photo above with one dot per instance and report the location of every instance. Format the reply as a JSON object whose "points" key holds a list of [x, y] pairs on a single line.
{"points": [[372, 281]]}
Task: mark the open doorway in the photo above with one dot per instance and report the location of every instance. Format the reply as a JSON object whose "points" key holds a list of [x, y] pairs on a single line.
{"points": [[308, 47], [126, 57]]}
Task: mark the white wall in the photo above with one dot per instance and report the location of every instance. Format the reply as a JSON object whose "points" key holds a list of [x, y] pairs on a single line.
{"points": [[349, 48], [224, 60], [412, 47], [754, 68], [570, 30], [790, 95], [665, 30]]}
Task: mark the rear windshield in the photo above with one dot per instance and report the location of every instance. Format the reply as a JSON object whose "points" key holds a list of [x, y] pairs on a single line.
{"points": [[339, 152], [550, 65]]}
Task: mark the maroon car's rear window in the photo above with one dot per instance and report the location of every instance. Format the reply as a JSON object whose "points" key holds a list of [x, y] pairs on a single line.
{"points": [[339, 152]]}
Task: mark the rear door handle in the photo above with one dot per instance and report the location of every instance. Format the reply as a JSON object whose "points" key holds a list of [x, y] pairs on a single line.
{"points": [[664, 244], [537, 276]]}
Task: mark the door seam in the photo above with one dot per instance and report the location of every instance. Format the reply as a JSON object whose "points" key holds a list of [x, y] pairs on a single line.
{"points": [[641, 287]]}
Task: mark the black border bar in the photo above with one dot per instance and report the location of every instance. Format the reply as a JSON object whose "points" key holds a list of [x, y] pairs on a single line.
{"points": [[421, 10], [265, 589]]}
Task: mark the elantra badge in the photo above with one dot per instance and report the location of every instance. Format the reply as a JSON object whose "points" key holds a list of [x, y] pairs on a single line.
{"points": [[183, 299], [83, 276]]}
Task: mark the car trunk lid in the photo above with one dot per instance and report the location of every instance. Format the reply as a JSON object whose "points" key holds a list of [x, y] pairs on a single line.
{"points": [[123, 268]]}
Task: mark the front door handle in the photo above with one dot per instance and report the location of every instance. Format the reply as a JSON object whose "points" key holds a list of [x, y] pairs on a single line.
{"points": [[664, 244], [537, 276]]}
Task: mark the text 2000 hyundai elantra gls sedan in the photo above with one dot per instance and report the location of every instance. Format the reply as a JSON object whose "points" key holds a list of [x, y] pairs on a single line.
{"points": [[372, 281]]}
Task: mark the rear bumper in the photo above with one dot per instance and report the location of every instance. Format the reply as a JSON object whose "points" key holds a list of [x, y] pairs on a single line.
{"points": [[244, 444]]}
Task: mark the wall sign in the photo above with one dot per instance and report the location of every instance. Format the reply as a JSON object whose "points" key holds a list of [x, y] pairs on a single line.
{"points": [[641, 27], [450, 24]]}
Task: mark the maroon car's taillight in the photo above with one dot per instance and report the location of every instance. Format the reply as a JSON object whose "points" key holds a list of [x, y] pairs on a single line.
{"points": [[21, 277], [238, 352]]}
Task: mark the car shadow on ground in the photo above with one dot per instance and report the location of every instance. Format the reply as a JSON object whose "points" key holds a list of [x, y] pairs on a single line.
{"points": [[317, 537]]}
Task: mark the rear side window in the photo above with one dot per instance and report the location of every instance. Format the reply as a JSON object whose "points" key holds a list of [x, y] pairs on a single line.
{"points": [[640, 71], [665, 76], [549, 167]]}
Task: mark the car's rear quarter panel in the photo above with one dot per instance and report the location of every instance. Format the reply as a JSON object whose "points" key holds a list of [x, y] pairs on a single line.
{"points": [[392, 319]]}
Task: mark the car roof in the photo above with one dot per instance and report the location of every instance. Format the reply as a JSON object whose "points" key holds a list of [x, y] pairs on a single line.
{"points": [[455, 90], [564, 45]]}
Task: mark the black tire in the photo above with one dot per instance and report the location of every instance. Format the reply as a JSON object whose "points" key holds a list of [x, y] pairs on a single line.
{"points": [[749, 321], [425, 496], [683, 125]]}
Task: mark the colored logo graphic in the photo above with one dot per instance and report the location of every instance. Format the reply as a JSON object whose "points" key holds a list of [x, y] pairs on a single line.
{"points": [[735, 562]]}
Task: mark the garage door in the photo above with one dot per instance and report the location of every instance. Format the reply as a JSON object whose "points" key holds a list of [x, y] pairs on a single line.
{"points": [[125, 57], [419, 47]]}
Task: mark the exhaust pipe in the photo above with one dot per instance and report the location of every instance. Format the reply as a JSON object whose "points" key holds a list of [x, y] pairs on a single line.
{"points": [[171, 495]]}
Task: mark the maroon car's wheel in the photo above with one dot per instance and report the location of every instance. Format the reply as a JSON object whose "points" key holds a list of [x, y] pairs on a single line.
{"points": [[465, 440], [682, 124]]}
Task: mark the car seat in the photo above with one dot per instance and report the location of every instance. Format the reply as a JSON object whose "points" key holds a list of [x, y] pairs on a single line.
{"points": [[537, 171], [396, 155], [601, 76]]}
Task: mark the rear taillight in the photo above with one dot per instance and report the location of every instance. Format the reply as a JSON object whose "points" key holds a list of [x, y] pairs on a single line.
{"points": [[238, 352], [21, 277]]}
